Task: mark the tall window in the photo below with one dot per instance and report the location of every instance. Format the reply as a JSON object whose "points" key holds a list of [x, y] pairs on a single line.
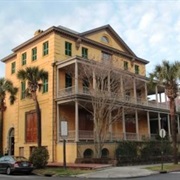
{"points": [[136, 68], [24, 56], [31, 127], [125, 65], [106, 57], [45, 48], [45, 85], [68, 80], [13, 67], [23, 88], [84, 52], [68, 48], [34, 54]]}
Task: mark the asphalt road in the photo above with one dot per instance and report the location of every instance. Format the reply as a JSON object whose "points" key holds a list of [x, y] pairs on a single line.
{"points": [[168, 176]]}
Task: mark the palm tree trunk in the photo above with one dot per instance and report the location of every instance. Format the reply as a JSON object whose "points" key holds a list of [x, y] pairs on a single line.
{"points": [[173, 129], [1, 132], [38, 123]]}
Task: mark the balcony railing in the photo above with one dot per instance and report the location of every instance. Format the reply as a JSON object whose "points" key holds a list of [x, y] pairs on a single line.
{"points": [[126, 99], [89, 136]]}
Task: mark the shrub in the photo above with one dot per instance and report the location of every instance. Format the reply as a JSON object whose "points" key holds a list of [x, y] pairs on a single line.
{"points": [[39, 157]]}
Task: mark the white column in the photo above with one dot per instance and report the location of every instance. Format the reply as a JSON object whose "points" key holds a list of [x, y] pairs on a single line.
{"points": [[94, 80], [122, 87], [110, 127], [134, 87], [169, 126], [58, 122], [137, 124], [146, 93], [156, 89], [178, 124], [160, 97], [148, 124], [57, 76], [123, 124], [76, 122], [76, 77], [159, 121]]}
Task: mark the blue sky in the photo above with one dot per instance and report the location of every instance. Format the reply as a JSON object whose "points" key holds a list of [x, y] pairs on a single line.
{"points": [[151, 28]]}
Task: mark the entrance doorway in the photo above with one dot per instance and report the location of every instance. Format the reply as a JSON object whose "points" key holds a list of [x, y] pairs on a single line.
{"points": [[11, 142]]}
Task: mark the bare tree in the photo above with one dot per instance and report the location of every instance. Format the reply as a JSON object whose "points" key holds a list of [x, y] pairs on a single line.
{"points": [[102, 82]]}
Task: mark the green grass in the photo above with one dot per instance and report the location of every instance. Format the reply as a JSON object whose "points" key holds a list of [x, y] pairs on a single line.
{"points": [[60, 171], [166, 167]]}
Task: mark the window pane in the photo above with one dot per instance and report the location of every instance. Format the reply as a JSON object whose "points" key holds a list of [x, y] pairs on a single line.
{"points": [[125, 65], [45, 48], [13, 67], [68, 80], [23, 88], [136, 69], [106, 57], [45, 85], [68, 48], [84, 52], [23, 59], [34, 54]]}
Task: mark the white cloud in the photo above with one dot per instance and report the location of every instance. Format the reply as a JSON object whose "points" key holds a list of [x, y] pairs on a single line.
{"points": [[150, 28]]}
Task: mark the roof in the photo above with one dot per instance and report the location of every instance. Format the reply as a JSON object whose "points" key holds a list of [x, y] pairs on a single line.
{"points": [[82, 36]]}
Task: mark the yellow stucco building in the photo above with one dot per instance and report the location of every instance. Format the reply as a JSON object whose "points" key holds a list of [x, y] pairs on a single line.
{"points": [[58, 50]]}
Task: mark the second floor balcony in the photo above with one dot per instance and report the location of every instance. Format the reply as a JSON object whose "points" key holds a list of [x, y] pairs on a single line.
{"points": [[126, 99]]}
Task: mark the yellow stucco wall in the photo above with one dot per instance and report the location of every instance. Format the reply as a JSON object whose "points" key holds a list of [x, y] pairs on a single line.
{"points": [[15, 115]]}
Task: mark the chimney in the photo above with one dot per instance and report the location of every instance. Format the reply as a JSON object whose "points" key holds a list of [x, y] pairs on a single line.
{"points": [[39, 31]]}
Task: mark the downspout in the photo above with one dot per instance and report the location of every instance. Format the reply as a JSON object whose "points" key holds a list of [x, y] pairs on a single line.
{"points": [[53, 117]]}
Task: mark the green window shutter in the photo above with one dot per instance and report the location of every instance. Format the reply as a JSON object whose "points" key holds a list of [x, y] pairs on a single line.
{"points": [[34, 54], [24, 56], [45, 48], [45, 85], [84, 52], [13, 67], [125, 65], [136, 69], [23, 88], [68, 49]]}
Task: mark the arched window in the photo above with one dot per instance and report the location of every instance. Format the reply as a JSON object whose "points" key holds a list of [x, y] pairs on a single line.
{"points": [[88, 153], [104, 39], [105, 153]]}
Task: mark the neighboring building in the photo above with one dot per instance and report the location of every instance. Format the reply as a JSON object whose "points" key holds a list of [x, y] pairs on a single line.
{"points": [[56, 50]]}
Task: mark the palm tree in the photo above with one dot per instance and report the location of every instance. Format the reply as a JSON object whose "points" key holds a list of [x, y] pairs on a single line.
{"points": [[34, 77], [6, 86], [168, 74]]}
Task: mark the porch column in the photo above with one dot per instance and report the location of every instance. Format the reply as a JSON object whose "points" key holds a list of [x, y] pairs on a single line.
{"points": [[76, 78], [145, 93], [57, 76], [76, 121], [159, 121], [178, 124], [94, 80], [122, 87], [156, 90], [137, 124], [134, 87], [169, 126], [148, 124], [58, 123], [160, 97], [110, 128], [123, 124]]}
